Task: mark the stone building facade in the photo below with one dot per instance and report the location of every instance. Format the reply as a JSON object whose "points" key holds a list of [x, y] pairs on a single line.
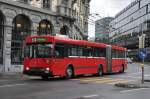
{"points": [[21, 18]]}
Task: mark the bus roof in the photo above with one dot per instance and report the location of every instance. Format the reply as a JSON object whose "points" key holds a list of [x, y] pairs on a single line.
{"points": [[81, 42], [56, 39], [116, 47]]}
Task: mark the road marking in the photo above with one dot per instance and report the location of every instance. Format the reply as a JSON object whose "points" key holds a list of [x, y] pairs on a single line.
{"points": [[12, 85], [90, 96], [123, 81], [146, 75], [91, 80], [134, 73], [124, 91], [104, 80], [145, 65], [3, 80], [109, 80], [34, 77], [131, 77], [86, 78], [114, 81]]}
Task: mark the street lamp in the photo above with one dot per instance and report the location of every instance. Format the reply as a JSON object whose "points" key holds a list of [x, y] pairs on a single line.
{"points": [[95, 14], [97, 20]]}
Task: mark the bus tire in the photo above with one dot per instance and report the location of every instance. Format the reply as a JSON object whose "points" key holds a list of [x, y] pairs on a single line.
{"points": [[69, 72], [44, 77], [100, 71], [122, 69]]}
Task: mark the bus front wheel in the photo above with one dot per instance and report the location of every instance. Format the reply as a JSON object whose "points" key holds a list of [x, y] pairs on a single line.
{"points": [[44, 77], [69, 72]]}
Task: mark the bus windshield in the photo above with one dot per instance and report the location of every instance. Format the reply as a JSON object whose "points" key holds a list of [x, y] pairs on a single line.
{"points": [[38, 51]]}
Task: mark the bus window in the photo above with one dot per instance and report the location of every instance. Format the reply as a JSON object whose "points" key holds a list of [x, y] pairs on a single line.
{"points": [[72, 50], [27, 51], [87, 51], [80, 51], [38, 51], [99, 52], [59, 50], [102, 52], [114, 54], [43, 50], [121, 54], [118, 54]]}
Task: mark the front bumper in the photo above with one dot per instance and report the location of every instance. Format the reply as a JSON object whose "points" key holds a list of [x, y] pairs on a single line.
{"points": [[37, 72]]}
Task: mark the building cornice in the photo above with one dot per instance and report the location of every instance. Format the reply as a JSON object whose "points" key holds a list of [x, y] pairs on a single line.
{"points": [[28, 7]]}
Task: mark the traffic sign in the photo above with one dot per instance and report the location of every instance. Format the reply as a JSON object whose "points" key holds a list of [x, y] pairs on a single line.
{"points": [[142, 54]]}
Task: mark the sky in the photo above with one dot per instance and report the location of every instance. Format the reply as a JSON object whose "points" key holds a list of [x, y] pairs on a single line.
{"points": [[105, 8]]}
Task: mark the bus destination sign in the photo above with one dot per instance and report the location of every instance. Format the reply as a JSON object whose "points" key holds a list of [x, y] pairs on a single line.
{"points": [[38, 39]]}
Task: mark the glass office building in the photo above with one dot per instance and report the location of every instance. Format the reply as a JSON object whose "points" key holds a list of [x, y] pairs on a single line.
{"points": [[129, 24], [102, 29]]}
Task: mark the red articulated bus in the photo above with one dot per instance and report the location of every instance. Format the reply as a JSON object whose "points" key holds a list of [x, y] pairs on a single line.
{"points": [[49, 56]]}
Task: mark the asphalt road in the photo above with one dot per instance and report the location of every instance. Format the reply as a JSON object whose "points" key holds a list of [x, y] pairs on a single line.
{"points": [[78, 88]]}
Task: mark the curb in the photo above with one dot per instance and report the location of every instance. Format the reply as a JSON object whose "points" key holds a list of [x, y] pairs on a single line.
{"points": [[11, 76]]}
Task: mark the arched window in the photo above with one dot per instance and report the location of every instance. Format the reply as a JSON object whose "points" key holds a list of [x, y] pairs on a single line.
{"points": [[21, 29], [45, 28], [64, 30]]}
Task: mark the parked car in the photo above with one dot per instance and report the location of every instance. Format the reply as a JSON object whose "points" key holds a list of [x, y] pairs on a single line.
{"points": [[129, 60]]}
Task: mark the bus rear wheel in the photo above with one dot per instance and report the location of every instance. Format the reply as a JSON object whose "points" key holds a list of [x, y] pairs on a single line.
{"points": [[69, 72], [122, 69], [100, 71]]}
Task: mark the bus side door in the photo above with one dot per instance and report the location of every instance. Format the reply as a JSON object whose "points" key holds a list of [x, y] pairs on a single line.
{"points": [[60, 61]]}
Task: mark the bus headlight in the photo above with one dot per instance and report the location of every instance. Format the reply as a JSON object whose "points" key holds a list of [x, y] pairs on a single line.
{"points": [[27, 68], [47, 69]]}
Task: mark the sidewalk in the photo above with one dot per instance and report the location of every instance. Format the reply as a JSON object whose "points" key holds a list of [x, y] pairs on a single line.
{"points": [[135, 84], [11, 76], [146, 63]]}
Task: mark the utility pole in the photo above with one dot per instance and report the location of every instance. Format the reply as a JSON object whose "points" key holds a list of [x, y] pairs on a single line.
{"points": [[142, 52]]}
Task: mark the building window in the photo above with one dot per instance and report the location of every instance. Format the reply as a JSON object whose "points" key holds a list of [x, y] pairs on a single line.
{"points": [[45, 28], [65, 2], [64, 30], [23, 1], [46, 3], [21, 29]]}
